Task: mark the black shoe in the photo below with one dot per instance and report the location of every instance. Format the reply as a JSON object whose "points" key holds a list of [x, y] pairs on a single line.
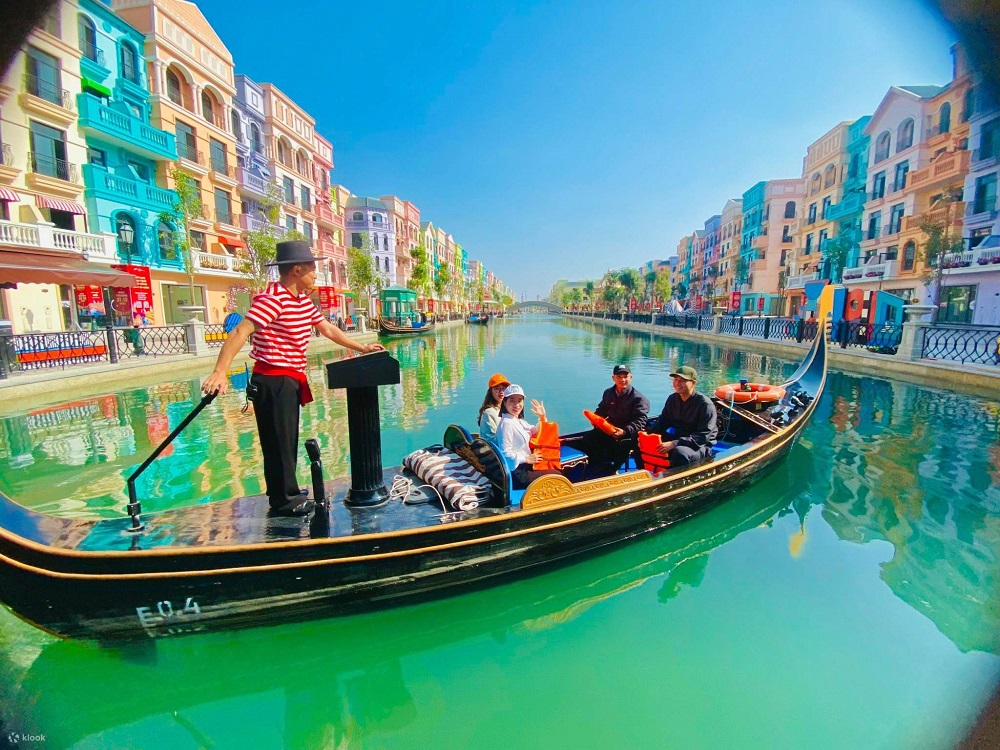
{"points": [[300, 506]]}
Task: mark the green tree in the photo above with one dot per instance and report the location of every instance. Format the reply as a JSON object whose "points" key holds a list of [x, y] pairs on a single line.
{"points": [[941, 240], [261, 242], [420, 278], [835, 253], [187, 208], [612, 290], [663, 287], [630, 281], [588, 292], [576, 297], [741, 271], [365, 279], [442, 280], [649, 286]]}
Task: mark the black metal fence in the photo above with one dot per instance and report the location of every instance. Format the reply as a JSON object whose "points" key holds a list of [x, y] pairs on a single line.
{"points": [[151, 342], [962, 344]]}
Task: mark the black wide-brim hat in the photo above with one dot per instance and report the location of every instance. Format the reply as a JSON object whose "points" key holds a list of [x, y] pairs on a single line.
{"points": [[291, 252]]}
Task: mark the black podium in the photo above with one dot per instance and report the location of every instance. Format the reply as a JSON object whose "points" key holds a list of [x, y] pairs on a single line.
{"points": [[361, 376]]}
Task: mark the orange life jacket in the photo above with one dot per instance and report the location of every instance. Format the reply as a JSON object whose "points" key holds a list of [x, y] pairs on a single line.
{"points": [[600, 422], [546, 443], [651, 459]]}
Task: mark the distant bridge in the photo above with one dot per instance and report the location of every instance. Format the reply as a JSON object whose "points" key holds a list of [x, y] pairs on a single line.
{"points": [[535, 304]]}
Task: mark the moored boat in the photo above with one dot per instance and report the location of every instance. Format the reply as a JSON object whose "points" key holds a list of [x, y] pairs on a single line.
{"points": [[228, 564], [479, 318]]}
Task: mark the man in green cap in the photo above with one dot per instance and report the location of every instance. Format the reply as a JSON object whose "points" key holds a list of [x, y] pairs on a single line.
{"points": [[692, 417]]}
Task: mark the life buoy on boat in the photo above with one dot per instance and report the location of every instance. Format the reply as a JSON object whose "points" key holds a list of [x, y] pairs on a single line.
{"points": [[546, 443], [651, 458], [762, 393], [600, 422]]}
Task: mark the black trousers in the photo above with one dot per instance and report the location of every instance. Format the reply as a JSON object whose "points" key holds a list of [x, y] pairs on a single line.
{"points": [[604, 453], [525, 474], [276, 407]]}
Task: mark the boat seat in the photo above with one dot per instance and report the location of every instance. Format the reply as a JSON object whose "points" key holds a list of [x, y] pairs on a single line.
{"points": [[487, 459], [722, 446]]}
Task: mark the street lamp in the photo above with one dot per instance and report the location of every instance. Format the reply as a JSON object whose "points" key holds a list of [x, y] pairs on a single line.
{"points": [[126, 235]]}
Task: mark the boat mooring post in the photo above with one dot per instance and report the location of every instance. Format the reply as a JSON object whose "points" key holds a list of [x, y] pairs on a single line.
{"points": [[361, 376]]}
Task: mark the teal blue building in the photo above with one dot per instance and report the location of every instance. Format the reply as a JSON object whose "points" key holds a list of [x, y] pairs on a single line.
{"points": [[123, 151], [753, 227], [849, 211]]}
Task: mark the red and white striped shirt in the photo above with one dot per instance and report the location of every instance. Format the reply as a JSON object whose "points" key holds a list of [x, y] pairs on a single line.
{"points": [[285, 323]]}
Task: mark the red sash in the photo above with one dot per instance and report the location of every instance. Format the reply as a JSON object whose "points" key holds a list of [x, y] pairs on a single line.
{"points": [[305, 393]]}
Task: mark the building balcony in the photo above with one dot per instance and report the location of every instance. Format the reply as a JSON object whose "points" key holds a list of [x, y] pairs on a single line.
{"points": [[191, 159], [218, 265], [252, 223], [326, 247], [976, 260], [980, 211], [759, 242], [127, 190], [945, 169], [96, 247], [125, 130], [222, 173], [251, 183], [43, 98], [8, 168], [325, 215], [798, 282], [985, 160], [850, 206], [870, 272], [48, 174]]}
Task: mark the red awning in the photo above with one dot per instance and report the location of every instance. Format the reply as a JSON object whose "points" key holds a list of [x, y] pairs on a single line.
{"points": [[230, 241], [29, 268], [6, 194], [60, 205]]}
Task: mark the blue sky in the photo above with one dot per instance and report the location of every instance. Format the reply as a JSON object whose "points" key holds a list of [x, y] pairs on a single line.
{"points": [[559, 139]]}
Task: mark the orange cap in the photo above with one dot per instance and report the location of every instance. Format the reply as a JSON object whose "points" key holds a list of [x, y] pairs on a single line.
{"points": [[498, 379]]}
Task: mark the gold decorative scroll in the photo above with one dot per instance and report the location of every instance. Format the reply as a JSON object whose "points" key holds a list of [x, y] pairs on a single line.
{"points": [[555, 489]]}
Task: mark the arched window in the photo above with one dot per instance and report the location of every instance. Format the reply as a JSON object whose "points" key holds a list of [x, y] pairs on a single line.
{"points": [[234, 117], [830, 177], [255, 143], [944, 119], [127, 236], [387, 265], [130, 64], [173, 87], [790, 210], [377, 218], [904, 136], [358, 216], [817, 182], [385, 244], [909, 255], [300, 163], [282, 155], [969, 105], [207, 106], [882, 147], [88, 37], [165, 240]]}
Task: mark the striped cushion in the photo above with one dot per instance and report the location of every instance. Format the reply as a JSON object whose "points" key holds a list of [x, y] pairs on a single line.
{"points": [[459, 483]]}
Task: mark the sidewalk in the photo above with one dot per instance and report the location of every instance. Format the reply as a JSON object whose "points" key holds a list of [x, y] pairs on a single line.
{"points": [[978, 380]]}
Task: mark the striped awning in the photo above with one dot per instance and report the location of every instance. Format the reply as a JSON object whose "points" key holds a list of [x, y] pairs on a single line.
{"points": [[60, 205], [8, 195]]}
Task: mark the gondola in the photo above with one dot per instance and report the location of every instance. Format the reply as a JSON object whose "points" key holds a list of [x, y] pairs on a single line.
{"points": [[227, 564], [404, 327], [479, 318]]}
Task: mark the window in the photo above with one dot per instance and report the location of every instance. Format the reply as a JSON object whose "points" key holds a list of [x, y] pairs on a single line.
{"points": [[165, 240], [852, 170], [217, 152], [882, 147], [377, 218], [207, 106], [786, 234], [830, 177], [140, 171], [944, 118], [237, 126], [874, 225], [307, 230], [358, 216], [985, 198], [306, 197], [895, 218], [300, 163], [878, 186], [978, 235], [902, 169], [826, 205], [815, 184], [290, 223], [790, 210], [385, 245], [173, 87], [48, 151], [130, 64], [43, 77], [355, 239], [87, 33], [387, 265], [127, 236], [988, 140], [198, 241], [289, 190], [957, 304], [255, 143], [809, 244], [891, 252], [812, 214], [223, 206], [969, 104], [97, 157], [823, 234], [187, 143], [904, 135], [282, 154]]}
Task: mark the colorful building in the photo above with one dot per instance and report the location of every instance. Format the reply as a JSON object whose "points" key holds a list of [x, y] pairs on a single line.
{"points": [[770, 210], [848, 212], [730, 238], [370, 227]]}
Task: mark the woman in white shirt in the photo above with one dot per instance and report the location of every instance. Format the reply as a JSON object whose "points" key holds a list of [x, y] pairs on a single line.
{"points": [[489, 412], [514, 434]]}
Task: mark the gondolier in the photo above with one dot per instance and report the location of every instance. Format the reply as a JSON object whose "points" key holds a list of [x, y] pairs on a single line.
{"points": [[279, 323]]}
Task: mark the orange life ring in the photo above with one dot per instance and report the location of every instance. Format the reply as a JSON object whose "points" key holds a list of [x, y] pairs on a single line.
{"points": [[651, 458], [762, 393], [600, 422], [546, 443]]}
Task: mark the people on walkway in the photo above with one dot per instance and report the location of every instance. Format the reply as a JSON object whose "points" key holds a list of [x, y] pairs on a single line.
{"points": [[688, 422], [514, 437], [489, 412], [279, 323], [627, 411]]}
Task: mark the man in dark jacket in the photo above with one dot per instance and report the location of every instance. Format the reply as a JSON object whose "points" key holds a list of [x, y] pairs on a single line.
{"points": [[625, 408], [693, 419]]}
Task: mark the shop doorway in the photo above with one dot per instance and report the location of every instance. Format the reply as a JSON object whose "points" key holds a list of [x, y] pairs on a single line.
{"points": [[176, 296]]}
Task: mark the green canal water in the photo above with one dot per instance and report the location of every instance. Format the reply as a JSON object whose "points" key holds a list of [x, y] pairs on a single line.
{"points": [[848, 600]]}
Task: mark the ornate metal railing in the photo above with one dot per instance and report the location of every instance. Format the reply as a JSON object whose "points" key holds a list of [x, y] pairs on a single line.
{"points": [[150, 342], [962, 344], [215, 334], [882, 338], [36, 351]]}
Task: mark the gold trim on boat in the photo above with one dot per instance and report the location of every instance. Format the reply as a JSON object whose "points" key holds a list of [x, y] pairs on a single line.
{"points": [[555, 489]]}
